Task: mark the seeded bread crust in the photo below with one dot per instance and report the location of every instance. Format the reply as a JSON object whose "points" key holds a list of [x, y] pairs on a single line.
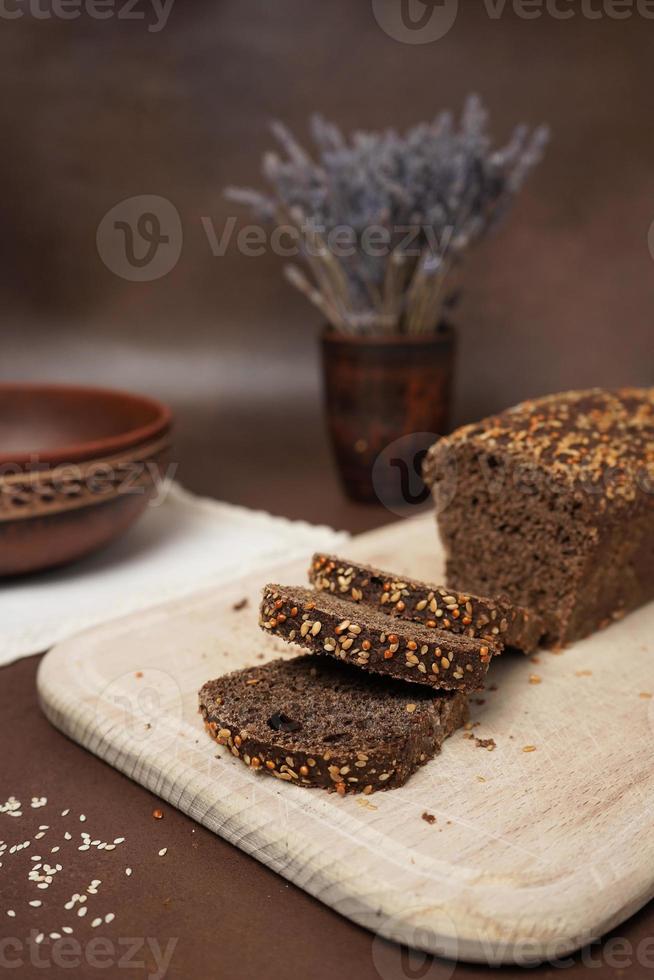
{"points": [[323, 623], [557, 494], [317, 723], [493, 620]]}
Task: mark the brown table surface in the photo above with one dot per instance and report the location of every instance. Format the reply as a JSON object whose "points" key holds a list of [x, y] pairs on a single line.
{"points": [[230, 916], [562, 298]]}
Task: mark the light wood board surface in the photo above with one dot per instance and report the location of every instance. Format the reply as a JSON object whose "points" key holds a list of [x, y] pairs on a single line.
{"points": [[532, 854]]}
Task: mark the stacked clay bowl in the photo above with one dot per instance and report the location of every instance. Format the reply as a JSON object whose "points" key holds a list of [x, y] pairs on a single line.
{"points": [[77, 467]]}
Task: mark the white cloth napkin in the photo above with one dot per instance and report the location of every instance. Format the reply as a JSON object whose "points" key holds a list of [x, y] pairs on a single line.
{"points": [[184, 544]]}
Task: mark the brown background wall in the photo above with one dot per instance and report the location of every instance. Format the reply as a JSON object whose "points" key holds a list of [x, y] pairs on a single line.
{"points": [[97, 111]]}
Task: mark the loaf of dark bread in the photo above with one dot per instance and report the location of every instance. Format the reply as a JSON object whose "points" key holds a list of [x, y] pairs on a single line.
{"points": [[552, 503], [360, 635], [493, 620], [314, 722]]}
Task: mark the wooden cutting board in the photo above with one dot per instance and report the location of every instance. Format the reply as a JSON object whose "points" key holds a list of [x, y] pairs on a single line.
{"points": [[531, 853]]}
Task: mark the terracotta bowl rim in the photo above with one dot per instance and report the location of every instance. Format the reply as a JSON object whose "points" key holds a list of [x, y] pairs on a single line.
{"points": [[98, 448]]}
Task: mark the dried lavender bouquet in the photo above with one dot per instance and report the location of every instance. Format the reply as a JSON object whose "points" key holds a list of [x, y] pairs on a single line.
{"points": [[382, 220]]}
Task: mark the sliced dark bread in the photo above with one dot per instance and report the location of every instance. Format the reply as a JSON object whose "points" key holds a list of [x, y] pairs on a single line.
{"points": [[494, 620], [314, 722], [324, 623], [556, 495]]}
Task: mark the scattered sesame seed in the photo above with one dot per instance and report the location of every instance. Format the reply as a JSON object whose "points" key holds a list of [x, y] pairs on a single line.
{"points": [[128, 871], [81, 912], [35, 903], [96, 922], [528, 748], [162, 851], [67, 929], [68, 836], [39, 938], [65, 813], [55, 935], [82, 817], [119, 840], [109, 917], [54, 849], [535, 679], [11, 913]]}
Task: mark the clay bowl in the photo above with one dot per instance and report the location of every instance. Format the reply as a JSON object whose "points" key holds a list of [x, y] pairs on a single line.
{"points": [[77, 467]]}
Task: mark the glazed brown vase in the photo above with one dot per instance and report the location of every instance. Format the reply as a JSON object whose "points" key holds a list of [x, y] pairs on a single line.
{"points": [[387, 399]]}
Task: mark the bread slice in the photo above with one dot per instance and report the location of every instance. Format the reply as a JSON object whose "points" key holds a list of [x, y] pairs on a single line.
{"points": [[324, 623], [315, 722], [493, 620]]}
